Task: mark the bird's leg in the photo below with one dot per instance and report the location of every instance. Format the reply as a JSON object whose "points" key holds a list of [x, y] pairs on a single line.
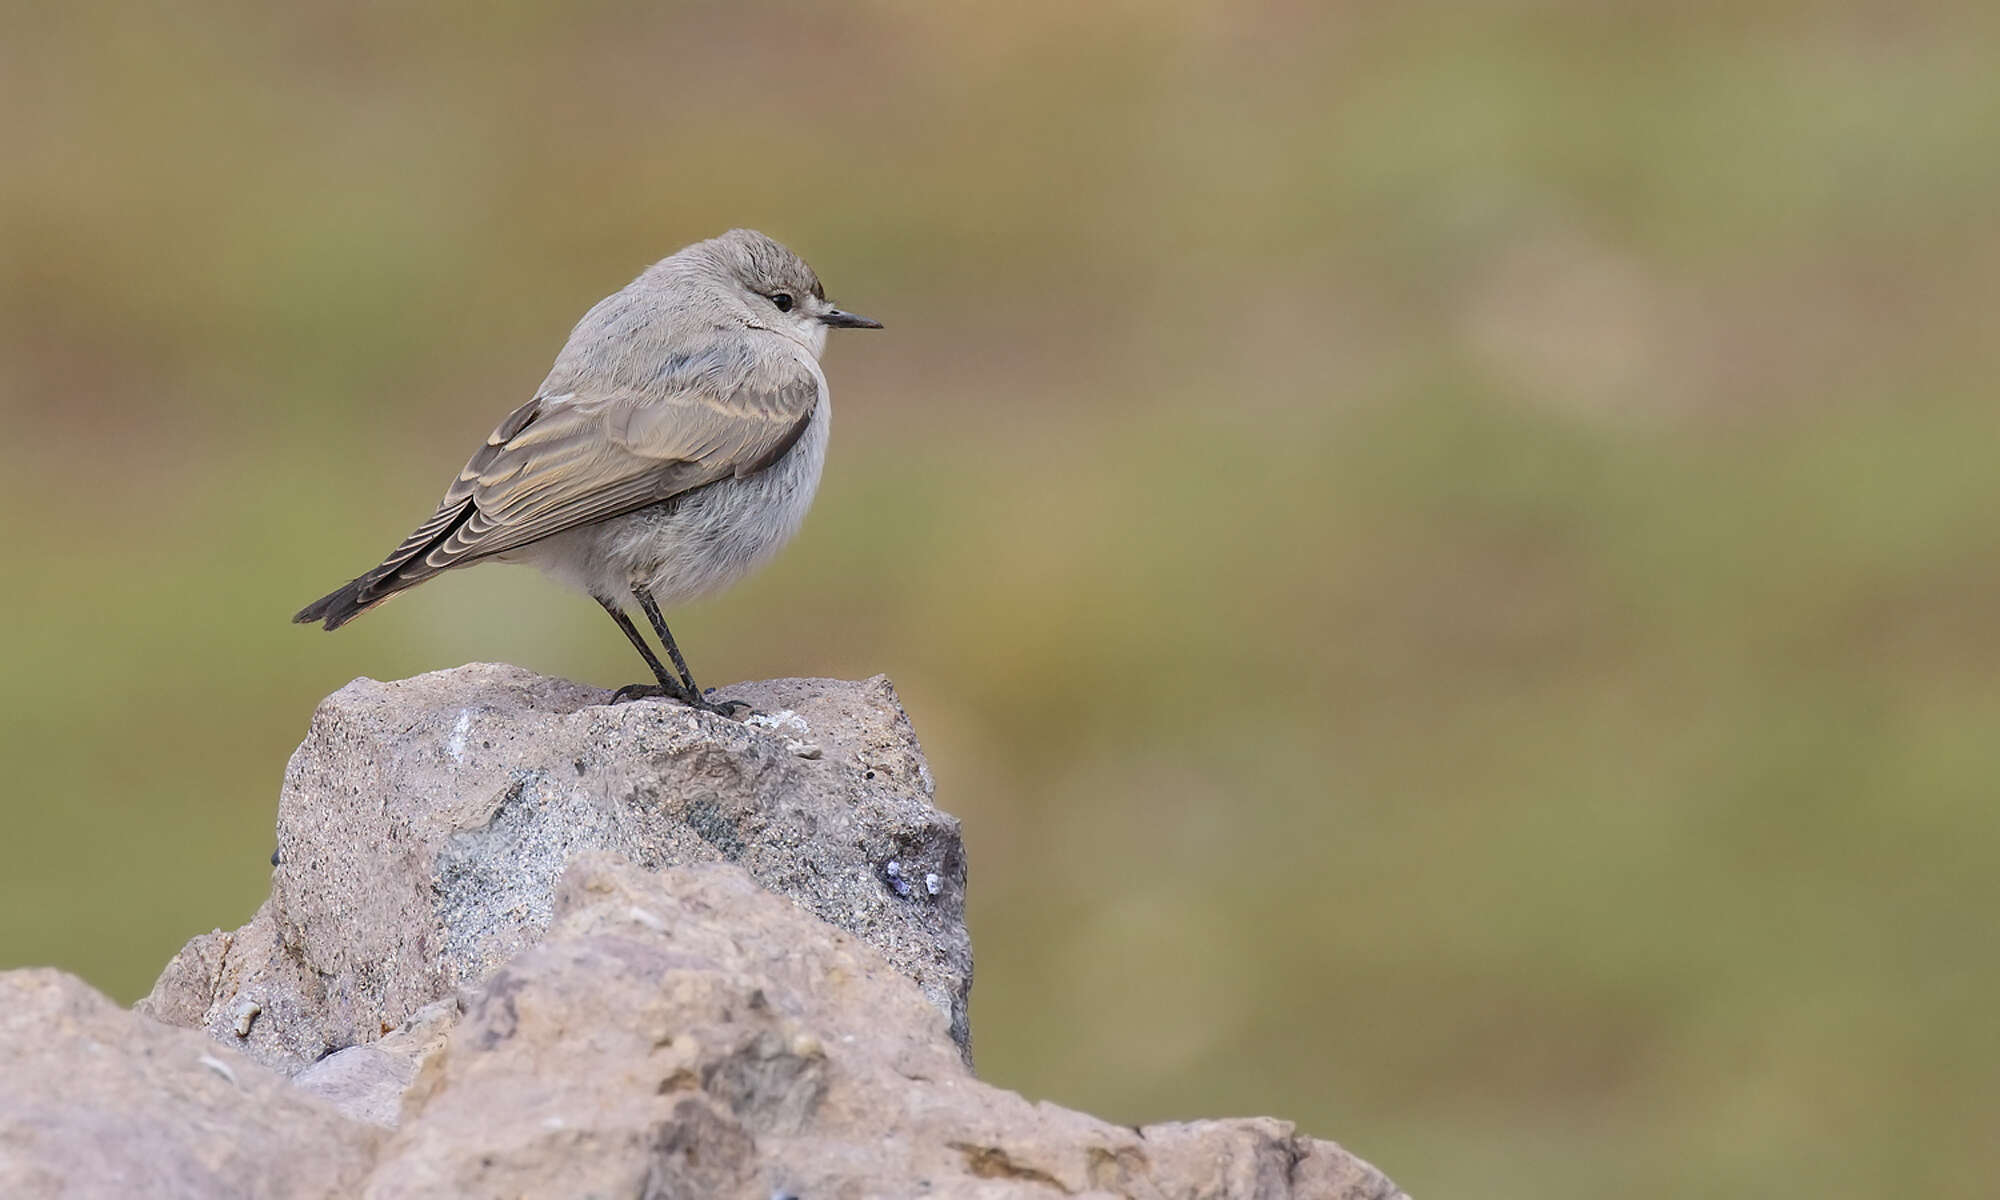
{"points": [[668, 685], [652, 608]]}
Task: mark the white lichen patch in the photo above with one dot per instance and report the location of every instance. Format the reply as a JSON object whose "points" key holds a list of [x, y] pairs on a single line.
{"points": [[782, 723], [455, 745], [784, 718]]}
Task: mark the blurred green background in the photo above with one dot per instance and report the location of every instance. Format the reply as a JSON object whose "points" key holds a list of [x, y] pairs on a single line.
{"points": [[1447, 555]]}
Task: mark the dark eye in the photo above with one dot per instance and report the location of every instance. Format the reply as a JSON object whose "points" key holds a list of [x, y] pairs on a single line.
{"points": [[783, 300]]}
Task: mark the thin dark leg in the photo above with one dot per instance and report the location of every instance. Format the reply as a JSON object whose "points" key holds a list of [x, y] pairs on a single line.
{"points": [[668, 684], [652, 608]]}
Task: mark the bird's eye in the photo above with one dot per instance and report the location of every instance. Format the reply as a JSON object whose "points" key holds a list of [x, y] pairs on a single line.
{"points": [[783, 300]]}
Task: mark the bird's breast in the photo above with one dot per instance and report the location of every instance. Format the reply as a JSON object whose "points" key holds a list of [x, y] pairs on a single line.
{"points": [[706, 539]]}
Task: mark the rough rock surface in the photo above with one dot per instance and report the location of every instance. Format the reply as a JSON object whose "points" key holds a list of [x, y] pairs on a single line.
{"points": [[686, 1033], [423, 825], [678, 1033], [523, 945], [368, 1082], [98, 1101], [243, 987]]}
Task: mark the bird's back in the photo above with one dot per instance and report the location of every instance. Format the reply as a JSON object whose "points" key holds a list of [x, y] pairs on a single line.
{"points": [[654, 395]]}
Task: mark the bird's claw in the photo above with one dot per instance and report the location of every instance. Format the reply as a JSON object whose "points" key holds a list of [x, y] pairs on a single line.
{"points": [[646, 691], [654, 691], [723, 708]]}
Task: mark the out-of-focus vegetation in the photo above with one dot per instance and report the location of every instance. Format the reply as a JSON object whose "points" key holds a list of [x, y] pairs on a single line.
{"points": [[1448, 555]]}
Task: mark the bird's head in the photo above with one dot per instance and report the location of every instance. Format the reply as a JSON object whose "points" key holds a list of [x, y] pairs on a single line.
{"points": [[768, 287]]}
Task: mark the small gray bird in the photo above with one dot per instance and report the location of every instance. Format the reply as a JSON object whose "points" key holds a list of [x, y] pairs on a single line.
{"points": [[674, 448]]}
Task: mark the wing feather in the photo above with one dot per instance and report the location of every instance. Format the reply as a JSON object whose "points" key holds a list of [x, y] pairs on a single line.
{"points": [[578, 454]]}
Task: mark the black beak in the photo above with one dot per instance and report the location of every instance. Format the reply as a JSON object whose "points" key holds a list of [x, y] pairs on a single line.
{"points": [[847, 320]]}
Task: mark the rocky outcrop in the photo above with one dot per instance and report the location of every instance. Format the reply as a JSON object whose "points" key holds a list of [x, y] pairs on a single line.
{"points": [[690, 1034], [522, 944], [98, 1101], [423, 825]]}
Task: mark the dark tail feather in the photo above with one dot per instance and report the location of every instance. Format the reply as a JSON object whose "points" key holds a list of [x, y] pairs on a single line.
{"points": [[405, 568], [338, 607]]}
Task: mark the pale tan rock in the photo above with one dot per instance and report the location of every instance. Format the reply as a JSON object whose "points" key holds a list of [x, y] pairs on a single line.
{"points": [[367, 1083], [245, 989], [424, 822], [98, 1101], [564, 949], [686, 1033]]}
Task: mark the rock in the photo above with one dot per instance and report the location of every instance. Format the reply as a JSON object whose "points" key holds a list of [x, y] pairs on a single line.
{"points": [[367, 1082], [686, 1033], [246, 991], [424, 823], [676, 1033], [524, 944], [97, 1101]]}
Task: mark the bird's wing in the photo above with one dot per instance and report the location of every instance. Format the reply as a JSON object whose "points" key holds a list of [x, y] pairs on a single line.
{"points": [[560, 461]]}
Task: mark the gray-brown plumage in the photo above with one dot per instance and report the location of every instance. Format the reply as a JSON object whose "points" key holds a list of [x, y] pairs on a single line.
{"points": [[674, 447]]}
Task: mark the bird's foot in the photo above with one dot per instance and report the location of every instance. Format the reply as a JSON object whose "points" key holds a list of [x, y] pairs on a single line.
{"points": [[646, 691], [722, 708], [654, 691]]}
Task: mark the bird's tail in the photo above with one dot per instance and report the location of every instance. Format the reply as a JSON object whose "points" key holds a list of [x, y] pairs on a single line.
{"points": [[338, 607]]}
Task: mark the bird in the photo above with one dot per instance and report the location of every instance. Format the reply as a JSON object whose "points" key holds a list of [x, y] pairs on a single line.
{"points": [[674, 448]]}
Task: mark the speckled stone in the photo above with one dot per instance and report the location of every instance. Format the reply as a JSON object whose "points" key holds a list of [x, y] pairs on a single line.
{"points": [[425, 822]]}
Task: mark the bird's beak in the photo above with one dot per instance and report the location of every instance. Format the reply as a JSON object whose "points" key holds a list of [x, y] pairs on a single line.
{"points": [[847, 320]]}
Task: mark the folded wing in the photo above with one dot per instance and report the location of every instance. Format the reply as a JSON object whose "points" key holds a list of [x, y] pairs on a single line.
{"points": [[565, 460]]}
